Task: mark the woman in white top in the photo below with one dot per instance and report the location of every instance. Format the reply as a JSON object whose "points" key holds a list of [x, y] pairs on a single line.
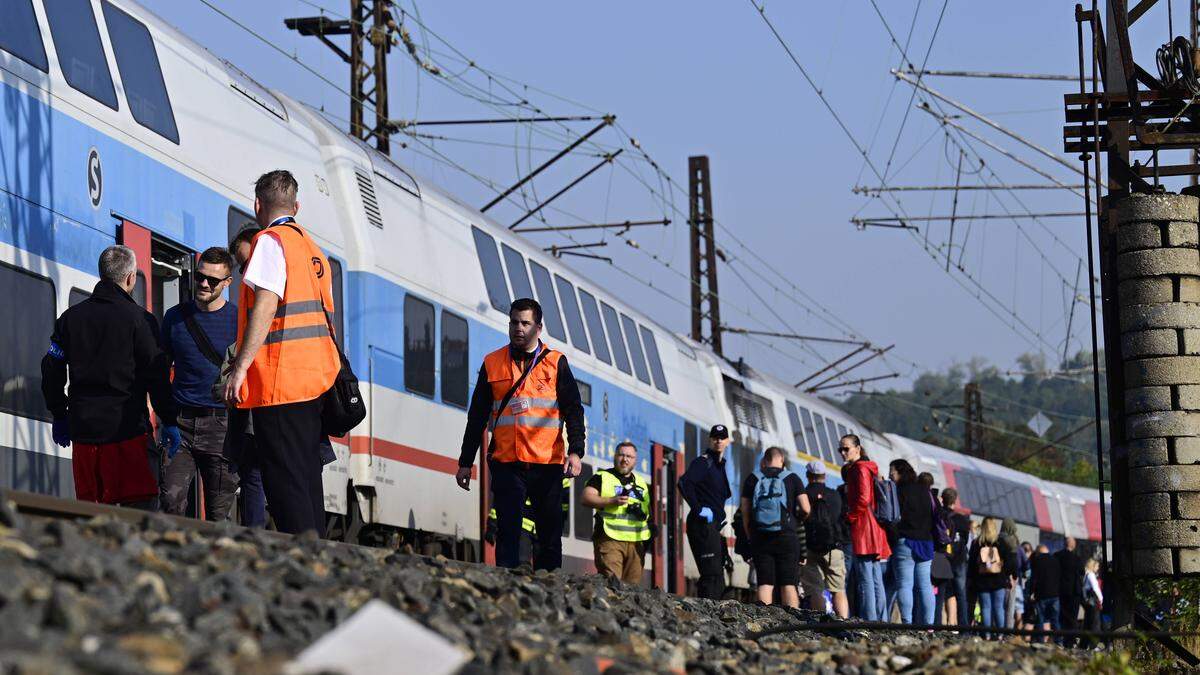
{"points": [[1093, 598]]}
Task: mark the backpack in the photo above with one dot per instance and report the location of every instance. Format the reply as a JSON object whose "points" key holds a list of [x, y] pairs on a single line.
{"points": [[989, 560], [822, 525], [887, 502], [769, 508], [942, 535]]}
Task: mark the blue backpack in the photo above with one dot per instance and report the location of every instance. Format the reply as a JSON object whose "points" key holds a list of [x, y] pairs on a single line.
{"points": [[769, 508], [887, 502]]}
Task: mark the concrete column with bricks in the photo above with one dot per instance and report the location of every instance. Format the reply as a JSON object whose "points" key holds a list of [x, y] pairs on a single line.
{"points": [[1158, 269]]}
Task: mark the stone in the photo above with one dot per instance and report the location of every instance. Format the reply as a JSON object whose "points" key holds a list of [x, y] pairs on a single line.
{"points": [[1147, 290], [1187, 450], [1182, 233], [1152, 506], [1158, 262], [1161, 315], [1188, 289], [1168, 533], [1163, 424], [1187, 505], [1156, 342], [1147, 399], [1139, 235], [1162, 371], [1189, 561], [899, 662], [1151, 207], [1171, 478]]}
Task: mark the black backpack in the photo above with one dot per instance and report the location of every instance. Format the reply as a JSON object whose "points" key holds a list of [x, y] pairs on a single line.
{"points": [[342, 407], [822, 526]]}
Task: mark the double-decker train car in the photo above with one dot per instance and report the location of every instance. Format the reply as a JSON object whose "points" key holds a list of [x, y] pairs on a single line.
{"points": [[117, 128]]}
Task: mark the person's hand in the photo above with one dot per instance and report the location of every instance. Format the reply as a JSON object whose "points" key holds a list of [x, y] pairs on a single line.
{"points": [[707, 514], [573, 466], [619, 500], [463, 478], [233, 386], [169, 439], [62, 431]]}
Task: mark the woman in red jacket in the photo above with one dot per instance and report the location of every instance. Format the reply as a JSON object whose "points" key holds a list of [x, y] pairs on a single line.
{"points": [[867, 538]]}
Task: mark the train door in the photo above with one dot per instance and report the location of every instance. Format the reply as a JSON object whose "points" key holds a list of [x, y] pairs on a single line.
{"points": [[164, 279], [667, 554]]}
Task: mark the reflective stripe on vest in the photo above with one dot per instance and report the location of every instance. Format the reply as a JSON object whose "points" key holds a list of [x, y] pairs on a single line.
{"points": [[619, 523], [530, 428], [298, 360]]}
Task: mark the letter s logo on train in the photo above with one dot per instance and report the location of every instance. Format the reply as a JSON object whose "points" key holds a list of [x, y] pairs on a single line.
{"points": [[95, 178]]}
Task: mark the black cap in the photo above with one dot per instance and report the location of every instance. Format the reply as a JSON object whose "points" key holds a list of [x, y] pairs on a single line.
{"points": [[718, 431]]}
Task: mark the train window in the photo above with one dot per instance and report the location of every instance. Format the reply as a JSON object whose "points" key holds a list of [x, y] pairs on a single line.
{"points": [[841, 432], [797, 429], [237, 220], [141, 75], [19, 34], [493, 274], [545, 295], [456, 372], [823, 438], [25, 329], [635, 349], [566, 293], [595, 326], [583, 517], [339, 328], [76, 296], [614, 337], [585, 391], [517, 275], [418, 346], [810, 433], [656, 367], [691, 443], [834, 440], [80, 54]]}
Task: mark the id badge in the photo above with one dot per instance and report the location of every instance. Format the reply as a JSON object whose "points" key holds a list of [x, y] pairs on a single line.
{"points": [[519, 405]]}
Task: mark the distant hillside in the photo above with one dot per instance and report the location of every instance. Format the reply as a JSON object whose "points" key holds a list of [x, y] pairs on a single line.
{"points": [[1062, 395]]}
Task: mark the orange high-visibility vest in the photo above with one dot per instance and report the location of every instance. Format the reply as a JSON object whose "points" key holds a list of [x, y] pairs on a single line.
{"points": [[299, 360], [529, 428]]}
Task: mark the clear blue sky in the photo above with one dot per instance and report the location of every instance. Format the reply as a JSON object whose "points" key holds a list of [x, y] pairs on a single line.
{"points": [[703, 77]]}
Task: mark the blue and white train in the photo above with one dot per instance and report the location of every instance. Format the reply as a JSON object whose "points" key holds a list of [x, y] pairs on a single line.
{"points": [[116, 127]]}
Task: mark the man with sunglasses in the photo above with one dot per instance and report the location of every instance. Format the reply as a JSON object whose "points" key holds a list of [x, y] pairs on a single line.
{"points": [[195, 336]]}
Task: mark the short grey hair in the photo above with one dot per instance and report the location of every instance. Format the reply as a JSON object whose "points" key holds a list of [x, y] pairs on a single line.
{"points": [[117, 263]]}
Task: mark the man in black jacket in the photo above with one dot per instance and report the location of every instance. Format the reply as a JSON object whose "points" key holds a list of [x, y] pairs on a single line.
{"points": [[110, 347], [705, 488]]}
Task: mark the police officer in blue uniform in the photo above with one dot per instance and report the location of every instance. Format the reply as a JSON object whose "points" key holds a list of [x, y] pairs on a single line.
{"points": [[705, 488]]}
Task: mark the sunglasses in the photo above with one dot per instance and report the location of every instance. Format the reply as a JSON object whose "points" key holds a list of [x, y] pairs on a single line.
{"points": [[213, 282], [843, 450]]}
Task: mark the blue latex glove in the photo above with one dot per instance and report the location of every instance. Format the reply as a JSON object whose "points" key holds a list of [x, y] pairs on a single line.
{"points": [[62, 432], [169, 439], [707, 514]]}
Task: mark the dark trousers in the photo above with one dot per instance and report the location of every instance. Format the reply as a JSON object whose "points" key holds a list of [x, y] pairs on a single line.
{"points": [[1068, 616], [708, 548], [541, 484], [252, 502], [202, 446], [959, 585], [286, 440]]}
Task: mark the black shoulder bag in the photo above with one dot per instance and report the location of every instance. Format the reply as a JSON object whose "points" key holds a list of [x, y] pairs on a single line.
{"points": [[342, 407], [200, 337]]}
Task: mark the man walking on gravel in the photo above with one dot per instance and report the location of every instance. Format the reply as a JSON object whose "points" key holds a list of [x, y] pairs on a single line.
{"points": [[109, 346], [526, 397], [705, 488]]}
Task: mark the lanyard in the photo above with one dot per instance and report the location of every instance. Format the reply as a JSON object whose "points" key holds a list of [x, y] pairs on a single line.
{"points": [[533, 359], [281, 220]]}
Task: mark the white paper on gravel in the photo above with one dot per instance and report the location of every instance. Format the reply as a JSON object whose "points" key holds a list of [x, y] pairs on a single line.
{"points": [[379, 639]]}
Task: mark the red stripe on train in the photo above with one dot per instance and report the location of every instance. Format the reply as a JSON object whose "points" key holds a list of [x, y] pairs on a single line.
{"points": [[952, 481], [1042, 509], [1091, 518], [361, 445]]}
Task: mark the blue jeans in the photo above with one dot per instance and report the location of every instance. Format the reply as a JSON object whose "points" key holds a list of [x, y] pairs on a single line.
{"points": [[912, 584], [869, 573], [1047, 611], [960, 592], [992, 606]]}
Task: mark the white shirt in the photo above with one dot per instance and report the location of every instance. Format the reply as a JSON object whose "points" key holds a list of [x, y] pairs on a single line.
{"points": [[267, 268]]}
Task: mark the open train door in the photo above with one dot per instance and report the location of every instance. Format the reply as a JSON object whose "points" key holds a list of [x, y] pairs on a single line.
{"points": [[667, 554], [137, 238]]}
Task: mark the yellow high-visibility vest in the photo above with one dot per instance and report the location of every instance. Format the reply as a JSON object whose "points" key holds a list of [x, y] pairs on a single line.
{"points": [[619, 523]]}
